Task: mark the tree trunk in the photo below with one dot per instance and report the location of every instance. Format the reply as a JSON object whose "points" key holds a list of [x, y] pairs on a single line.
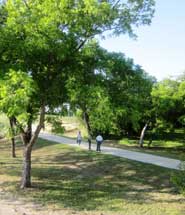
{"points": [[13, 147], [12, 124], [29, 140], [86, 119], [26, 171], [142, 135]]}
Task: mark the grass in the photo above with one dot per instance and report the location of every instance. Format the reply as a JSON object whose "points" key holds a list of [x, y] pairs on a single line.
{"points": [[87, 183], [170, 147]]}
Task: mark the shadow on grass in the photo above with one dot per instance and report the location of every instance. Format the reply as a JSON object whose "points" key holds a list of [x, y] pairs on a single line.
{"points": [[41, 143], [87, 180]]}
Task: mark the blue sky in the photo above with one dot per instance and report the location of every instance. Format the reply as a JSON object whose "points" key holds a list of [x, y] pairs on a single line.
{"points": [[160, 47]]}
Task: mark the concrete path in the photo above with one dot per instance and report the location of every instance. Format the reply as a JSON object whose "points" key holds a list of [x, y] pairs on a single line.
{"points": [[137, 156]]}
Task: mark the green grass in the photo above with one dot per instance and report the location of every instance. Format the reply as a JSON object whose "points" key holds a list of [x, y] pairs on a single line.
{"points": [[89, 183]]}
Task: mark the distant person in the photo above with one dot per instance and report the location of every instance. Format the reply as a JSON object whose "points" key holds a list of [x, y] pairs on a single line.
{"points": [[79, 138], [89, 142], [99, 140]]}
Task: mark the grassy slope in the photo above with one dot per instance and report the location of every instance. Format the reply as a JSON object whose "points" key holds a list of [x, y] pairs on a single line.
{"points": [[90, 183]]}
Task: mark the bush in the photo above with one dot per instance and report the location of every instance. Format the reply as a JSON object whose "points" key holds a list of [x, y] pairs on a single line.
{"points": [[178, 179], [56, 124]]}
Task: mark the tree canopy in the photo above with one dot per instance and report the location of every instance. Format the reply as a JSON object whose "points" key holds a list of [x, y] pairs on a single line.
{"points": [[46, 39]]}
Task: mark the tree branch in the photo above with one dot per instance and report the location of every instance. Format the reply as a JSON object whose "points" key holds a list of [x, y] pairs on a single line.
{"points": [[80, 45], [39, 126], [116, 4], [19, 125]]}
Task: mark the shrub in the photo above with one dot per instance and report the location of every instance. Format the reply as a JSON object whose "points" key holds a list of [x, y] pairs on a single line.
{"points": [[56, 124], [178, 179]]}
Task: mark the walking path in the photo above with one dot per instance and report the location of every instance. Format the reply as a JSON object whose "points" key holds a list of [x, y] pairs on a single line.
{"points": [[137, 156]]}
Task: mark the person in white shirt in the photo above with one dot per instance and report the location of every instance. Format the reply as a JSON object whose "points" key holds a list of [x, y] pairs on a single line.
{"points": [[99, 140], [79, 138]]}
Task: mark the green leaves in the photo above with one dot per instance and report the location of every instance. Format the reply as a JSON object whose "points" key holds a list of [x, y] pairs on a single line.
{"points": [[16, 90], [168, 100], [47, 39]]}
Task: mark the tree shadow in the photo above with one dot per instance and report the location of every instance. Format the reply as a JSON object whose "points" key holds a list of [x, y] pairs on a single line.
{"points": [[41, 143], [87, 180]]}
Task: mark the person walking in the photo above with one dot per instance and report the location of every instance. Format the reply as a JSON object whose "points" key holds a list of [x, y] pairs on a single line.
{"points": [[99, 140], [79, 138]]}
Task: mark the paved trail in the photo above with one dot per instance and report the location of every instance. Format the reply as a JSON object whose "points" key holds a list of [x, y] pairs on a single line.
{"points": [[137, 156]]}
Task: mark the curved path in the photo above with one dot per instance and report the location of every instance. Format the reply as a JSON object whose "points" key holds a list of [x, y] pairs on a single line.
{"points": [[137, 156]]}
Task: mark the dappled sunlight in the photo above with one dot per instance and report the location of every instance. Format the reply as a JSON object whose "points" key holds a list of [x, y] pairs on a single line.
{"points": [[75, 179]]}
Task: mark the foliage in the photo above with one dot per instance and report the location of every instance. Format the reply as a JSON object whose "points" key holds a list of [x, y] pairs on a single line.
{"points": [[48, 47], [86, 90], [45, 40], [113, 91], [4, 125], [168, 101], [16, 90], [178, 178], [129, 89], [56, 124]]}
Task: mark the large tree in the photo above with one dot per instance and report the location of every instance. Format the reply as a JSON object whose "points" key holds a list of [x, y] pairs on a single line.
{"points": [[112, 92], [87, 90], [165, 103], [45, 38], [168, 101], [129, 88]]}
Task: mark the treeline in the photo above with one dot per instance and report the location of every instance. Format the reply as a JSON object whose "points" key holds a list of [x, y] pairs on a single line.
{"points": [[117, 98]]}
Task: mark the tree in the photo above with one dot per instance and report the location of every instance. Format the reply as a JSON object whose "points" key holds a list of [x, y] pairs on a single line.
{"points": [[87, 91], [12, 122], [45, 38], [129, 88], [16, 89], [167, 97], [181, 97], [112, 92]]}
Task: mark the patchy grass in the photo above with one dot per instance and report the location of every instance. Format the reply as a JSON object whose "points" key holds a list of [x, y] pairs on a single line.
{"points": [[91, 183]]}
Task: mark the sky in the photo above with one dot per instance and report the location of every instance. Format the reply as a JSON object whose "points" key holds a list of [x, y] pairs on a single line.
{"points": [[160, 47]]}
